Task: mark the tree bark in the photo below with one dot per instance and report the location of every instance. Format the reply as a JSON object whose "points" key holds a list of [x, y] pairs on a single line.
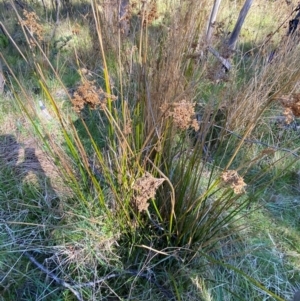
{"points": [[238, 26], [123, 16], [212, 20], [229, 47], [2, 80]]}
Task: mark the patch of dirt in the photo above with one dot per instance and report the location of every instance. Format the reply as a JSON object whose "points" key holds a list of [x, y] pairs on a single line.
{"points": [[30, 163]]}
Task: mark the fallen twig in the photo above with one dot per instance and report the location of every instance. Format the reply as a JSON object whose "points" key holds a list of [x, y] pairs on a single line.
{"points": [[73, 287], [224, 61], [54, 277]]}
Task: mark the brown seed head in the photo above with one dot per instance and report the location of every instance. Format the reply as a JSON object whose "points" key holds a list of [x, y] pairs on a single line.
{"points": [[88, 94], [183, 114], [236, 182], [145, 188], [32, 23], [291, 106]]}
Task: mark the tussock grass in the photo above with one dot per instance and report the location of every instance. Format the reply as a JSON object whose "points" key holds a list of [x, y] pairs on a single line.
{"points": [[158, 169]]}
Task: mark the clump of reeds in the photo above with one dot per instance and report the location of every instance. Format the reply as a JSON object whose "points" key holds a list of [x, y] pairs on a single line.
{"points": [[164, 186]]}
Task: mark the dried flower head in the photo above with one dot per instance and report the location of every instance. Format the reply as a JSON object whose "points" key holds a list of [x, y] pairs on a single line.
{"points": [[149, 12], [145, 188], [288, 116], [32, 23], [128, 127], [76, 29], [291, 106], [88, 94], [268, 151], [183, 114], [236, 182]]}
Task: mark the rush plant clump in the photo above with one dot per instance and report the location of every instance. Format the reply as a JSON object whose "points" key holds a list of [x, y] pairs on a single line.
{"points": [[133, 156]]}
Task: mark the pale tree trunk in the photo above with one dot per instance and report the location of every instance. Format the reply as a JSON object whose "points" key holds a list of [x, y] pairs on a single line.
{"points": [[212, 20], [2, 80], [238, 26], [116, 14], [228, 47], [57, 9], [124, 7], [124, 16]]}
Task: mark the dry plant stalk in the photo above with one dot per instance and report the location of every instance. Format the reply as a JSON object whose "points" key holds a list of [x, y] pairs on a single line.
{"points": [[235, 181], [88, 94], [167, 75], [183, 114], [145, 188], [127, 120]]}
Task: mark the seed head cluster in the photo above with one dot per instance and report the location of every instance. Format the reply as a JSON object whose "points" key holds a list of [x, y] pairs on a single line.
{"points": [[235, 181], [183, 114], [88, 94], [149, 13], [32, 23], [145, 188], [127, 127], [291, 106]]}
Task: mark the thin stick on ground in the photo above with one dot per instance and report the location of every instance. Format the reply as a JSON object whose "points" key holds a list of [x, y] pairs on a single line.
{"points": [[54, 277], [73, 287]]}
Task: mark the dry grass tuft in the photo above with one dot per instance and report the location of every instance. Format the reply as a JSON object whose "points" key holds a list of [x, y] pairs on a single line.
{"points": [[145, 188]]}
